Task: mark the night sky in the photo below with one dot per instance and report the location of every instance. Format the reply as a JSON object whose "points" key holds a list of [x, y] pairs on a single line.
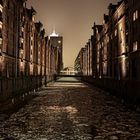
{"points": [[72, 19]]}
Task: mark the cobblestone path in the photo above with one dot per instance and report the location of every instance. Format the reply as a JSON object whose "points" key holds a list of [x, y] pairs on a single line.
{"points": [[72, 111]]}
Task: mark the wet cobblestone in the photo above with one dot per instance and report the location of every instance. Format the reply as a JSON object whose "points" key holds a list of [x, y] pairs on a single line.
{"points": [[72, 111]]}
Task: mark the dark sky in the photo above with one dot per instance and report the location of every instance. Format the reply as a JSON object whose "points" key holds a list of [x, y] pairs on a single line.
{"points": [[73, 19]]}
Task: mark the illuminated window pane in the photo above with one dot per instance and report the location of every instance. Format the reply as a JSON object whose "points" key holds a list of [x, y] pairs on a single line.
{"points": [[1, 8], [116, 32], [31, 38], [102, 44], [135, 46], [22, 40], [33, 18], [23, 18], [22, 29], [0, 33], [98, 67], [0, 25], [59, 41], [107, 39], [134, 16], [0, 41]]}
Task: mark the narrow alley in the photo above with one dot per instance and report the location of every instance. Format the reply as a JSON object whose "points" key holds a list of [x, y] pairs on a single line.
{"points": [[71, 110]]}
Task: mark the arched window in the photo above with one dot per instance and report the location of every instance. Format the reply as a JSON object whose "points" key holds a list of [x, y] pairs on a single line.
{"points": [[1, 16], [1, 2], [0, 33]]}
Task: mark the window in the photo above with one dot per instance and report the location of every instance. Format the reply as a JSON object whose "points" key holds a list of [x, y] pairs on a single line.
{"points": [[0, 41], [1, 5], [0, 25], [115, 32], [107, 38], [0, 35], [1, 2], [8, 5], [21, 45], [1, 8], [1, 17], [21, 40], [135, 15], [120, 28], [135, 46], [33, 18], [22, 29]]}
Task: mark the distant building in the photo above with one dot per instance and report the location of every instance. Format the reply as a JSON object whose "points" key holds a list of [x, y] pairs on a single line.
{"points": [[68, 71], [57, 42], [78, 64]]}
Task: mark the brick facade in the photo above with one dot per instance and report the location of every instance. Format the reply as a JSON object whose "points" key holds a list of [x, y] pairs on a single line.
{"points": [[27, 57], [115, 50]]}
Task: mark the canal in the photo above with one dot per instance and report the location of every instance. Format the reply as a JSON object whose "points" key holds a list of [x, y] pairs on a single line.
{"points": [[71, 110]]}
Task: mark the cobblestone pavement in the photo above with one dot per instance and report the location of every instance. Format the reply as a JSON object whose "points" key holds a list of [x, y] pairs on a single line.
{"points": [[72, 111]]}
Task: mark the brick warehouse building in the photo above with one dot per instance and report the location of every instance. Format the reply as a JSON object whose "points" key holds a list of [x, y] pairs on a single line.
{"points": [[27, 57], [115, 51]]}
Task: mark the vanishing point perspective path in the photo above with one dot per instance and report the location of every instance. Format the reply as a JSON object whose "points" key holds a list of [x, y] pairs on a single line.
{"points": [[70, 110]]}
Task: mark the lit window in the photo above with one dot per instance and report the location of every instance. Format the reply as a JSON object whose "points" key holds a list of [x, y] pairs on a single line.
{"points": [[135, 46], [21, 40], [22, 29], [31, 38], [97, 30], [98, 67], [59, 41], [22, 55], [33, 18], [115, 32], [1, 25], [135, 15], [107, 38], [31, 57], [23, 18], [1, 7], [21, 51], [102, 44], [100, 76], [120, 28], [0, 41]]}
